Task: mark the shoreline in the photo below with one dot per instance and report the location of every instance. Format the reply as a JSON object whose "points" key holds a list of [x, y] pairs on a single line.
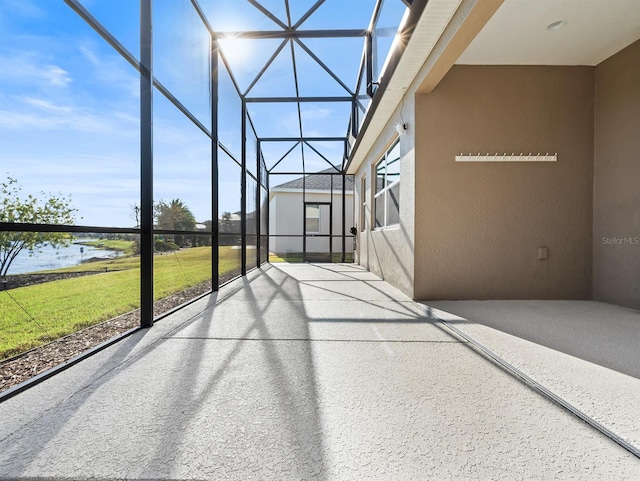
{"points": [[14, 281], [94, 253]]}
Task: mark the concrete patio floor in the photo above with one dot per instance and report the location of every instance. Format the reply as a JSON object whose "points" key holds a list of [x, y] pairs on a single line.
{"points": [[326, 372]]}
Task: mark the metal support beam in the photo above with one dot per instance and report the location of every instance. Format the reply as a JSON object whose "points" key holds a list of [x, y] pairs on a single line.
{"points": [[267, 184], [77, 7], [290, 33], [369, 59], [284, 156], [243, 190], [331, 224], [146, 164], [324, 66], [322, 156], [265, 67], [344, 216], [267, 13], [354, 116], [215, 203], [258, 204], [257, 100], [302, 139], [310, 12]]}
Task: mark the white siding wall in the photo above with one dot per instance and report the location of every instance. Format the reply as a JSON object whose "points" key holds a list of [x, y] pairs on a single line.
{"points": [[287, 218]]}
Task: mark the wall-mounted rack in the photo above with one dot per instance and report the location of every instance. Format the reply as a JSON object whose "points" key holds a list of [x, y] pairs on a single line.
{"points": [[522, 157]]}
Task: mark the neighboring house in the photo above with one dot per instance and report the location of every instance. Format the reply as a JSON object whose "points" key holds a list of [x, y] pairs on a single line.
{"points": [[305, 213]]}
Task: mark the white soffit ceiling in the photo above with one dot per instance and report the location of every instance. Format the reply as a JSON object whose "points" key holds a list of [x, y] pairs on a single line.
{"points": [[517, 34]]}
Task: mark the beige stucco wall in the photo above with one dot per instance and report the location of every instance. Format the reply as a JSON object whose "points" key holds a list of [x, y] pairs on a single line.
{"points": [[479, 225], [616, 221], [388, 252]]}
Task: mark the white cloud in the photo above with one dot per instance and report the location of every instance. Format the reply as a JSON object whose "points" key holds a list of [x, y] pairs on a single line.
{"points": [[53, 118], [55, 75], [46, 105], [24, 8], [28, 68], [112, 70], [89, 55], [316, 113]]}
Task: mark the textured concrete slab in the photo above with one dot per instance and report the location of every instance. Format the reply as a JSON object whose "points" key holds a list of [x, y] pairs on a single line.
{"points": [[315, 320], [594, 331], [581, 332], [372, 389], [190, 409], [319, 272], [296, 282]]}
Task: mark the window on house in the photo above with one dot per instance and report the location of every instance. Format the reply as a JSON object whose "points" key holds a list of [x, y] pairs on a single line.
{"points": [[312, 219], [363, 204], [387, 196]]}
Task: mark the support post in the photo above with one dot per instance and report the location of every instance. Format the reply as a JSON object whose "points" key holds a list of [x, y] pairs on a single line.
{"points": [[243, 189], [146, 164], [215, 206], [268, 212], [258, 206], [369, 63], [344, 215]]}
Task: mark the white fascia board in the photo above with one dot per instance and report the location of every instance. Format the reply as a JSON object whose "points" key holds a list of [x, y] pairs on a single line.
{"points": [[432, 23]]}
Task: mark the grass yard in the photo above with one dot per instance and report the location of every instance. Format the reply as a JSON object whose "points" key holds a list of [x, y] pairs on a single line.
{"points": [[61, 307], [128, 247]]}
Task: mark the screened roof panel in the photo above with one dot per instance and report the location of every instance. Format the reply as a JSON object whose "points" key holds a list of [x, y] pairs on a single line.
{"points": [[278, 79], [316, 78], [125, 26], [339, 14], [235, 16], [304, 68], [275, 119], [299, 8], [325, 119], [316, 161], [277, 8], [290, 161], [247, 56], [274, 151], [341, 55]]}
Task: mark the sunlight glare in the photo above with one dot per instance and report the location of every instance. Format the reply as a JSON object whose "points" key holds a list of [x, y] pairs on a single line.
{"points": [[237, 50]]}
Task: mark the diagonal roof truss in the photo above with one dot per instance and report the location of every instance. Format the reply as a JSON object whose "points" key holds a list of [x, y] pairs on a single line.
{"points": [[313, 86]]}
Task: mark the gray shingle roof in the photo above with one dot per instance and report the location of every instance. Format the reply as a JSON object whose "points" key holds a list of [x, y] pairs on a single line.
{"points": [[320, 181]]}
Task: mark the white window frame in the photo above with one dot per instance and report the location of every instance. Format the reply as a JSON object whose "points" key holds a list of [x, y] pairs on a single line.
{"points": [[306, 223], [383, 194], [363, 203]]}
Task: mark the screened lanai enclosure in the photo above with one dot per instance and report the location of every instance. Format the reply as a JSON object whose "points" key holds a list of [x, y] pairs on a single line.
{"points": [[148, 147]]}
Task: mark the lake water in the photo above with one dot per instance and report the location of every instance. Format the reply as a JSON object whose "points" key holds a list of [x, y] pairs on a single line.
{"points": [[51, 258]]}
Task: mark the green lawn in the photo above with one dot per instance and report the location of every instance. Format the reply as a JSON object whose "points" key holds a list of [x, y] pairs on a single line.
{"points": [[65, 306], [112, 244]]}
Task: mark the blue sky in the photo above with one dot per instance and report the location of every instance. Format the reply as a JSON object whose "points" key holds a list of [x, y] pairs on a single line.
{"points": [[69, 104]]}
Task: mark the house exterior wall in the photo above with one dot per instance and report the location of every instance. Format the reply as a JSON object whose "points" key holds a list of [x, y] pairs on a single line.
{"points": [[388, 252], [479, 226], [616, 222], [286, 217]]}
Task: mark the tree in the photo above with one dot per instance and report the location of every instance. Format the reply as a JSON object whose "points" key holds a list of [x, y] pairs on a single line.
{"points": [[50, 209], [175, 215], [136, 214]]}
